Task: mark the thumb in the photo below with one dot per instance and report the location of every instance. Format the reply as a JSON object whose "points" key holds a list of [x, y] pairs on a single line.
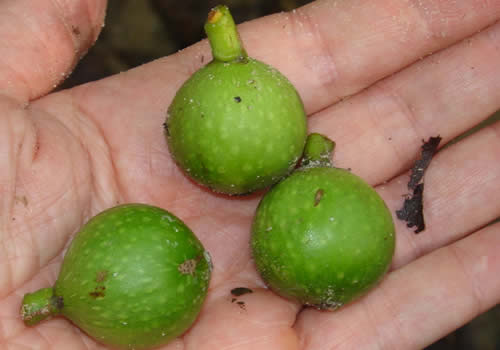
{"points": [[41, 41]]}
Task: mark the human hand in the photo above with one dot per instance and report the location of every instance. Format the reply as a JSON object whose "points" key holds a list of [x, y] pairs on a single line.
{"points": [[66, 156]]}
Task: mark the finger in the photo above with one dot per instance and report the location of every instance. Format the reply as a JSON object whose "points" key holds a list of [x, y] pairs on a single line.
{"points": [[444, 94], [462, 187], [417, 304], [331, 49], [42, 41], [149, 89]]}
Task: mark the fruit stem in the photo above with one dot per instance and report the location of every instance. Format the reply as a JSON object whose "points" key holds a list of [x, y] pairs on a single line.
{"points": [[318, 151], [223, 36], [40, 305]]}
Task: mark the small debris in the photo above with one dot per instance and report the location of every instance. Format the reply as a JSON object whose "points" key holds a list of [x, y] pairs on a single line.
{"points": [[428, 150], [413, 209], [22, 199], [165, 127], [240, 291], [241, 304], [237, 99]]}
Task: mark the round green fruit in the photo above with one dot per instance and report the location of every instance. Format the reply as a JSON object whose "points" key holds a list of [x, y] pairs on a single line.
{"points": [[322, 236], [134, 277], [237, 125]]}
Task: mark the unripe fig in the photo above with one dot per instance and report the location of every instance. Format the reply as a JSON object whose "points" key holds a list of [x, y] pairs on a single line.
{"points": [[237, 124], [323, 236], [134, 277]]}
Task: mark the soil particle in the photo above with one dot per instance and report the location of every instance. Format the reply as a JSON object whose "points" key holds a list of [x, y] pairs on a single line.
{"points": [[413, 210], [240, 291]]}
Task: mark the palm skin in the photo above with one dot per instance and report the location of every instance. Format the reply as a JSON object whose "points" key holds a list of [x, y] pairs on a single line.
{"points": [[66, 156]]}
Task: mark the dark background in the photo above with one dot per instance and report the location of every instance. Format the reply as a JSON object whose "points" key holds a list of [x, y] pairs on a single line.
{"points": [[138, 31]]}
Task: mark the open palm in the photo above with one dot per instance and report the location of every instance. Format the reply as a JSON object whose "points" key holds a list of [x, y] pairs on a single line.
{"points": [[410, 70]]}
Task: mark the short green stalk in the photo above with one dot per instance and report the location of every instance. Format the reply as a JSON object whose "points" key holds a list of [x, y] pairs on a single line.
{"points": [[318, 151], [40, 305], [223, 36]]}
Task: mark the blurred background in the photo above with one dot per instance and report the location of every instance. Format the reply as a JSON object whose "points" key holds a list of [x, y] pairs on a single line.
{"points": [[139, 31]]}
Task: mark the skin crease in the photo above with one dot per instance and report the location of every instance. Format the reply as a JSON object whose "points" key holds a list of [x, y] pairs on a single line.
{"points": [[66, 156]]}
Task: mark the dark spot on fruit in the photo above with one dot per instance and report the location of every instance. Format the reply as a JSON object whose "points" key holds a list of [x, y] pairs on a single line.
{"points": [[237, 99], [202, 115], [76, 30], [165, 127], [101, 276], [241, 304], [202, 58], [57, 302], [240, 291], [233, 300], [98, 292], [318, 196]]}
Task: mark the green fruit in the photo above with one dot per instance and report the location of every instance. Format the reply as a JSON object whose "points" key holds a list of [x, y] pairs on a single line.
{"points": [[322, 236], [237, 125], [134, 277]]}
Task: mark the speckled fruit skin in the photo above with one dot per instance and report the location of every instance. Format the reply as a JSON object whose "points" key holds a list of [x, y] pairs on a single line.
{"points": [[322, 237], [121, 279], [236, 126]]}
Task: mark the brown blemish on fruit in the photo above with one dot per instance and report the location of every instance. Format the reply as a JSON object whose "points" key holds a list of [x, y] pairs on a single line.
{"points": [[318, 196], [98, 292], [188, 267], [101, 276]]}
